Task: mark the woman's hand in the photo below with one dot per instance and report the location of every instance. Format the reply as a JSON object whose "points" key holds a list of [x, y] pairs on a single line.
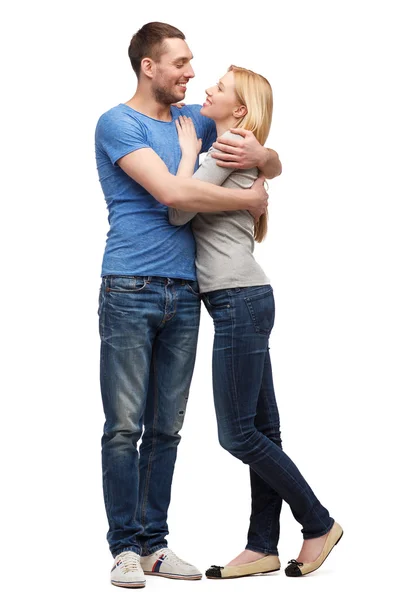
{"points": [[189, 143]]}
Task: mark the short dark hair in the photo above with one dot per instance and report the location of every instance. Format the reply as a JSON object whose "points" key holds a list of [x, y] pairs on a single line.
{"points": [[148, 41]]}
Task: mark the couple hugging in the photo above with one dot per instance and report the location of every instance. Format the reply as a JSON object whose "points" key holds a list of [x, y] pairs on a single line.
{"points": [[181, 233]]}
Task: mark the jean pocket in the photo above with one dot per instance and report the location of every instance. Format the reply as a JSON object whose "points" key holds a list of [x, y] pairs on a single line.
{"points": [[126, 285], [193, 287], [262, 311], [218, 300]]}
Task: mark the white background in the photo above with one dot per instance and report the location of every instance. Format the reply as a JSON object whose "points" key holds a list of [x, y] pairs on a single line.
{"points": [[328, 254]]}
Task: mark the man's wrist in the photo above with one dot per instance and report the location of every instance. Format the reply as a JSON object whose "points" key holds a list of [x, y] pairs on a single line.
{"points": [[266, 155], [271, 164]]}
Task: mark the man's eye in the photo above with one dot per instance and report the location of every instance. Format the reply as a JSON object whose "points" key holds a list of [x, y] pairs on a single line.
{"points": [[179, 66]]}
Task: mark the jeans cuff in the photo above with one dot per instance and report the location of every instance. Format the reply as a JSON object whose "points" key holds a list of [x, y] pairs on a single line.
{"points": [[135, 549], [146, 551], [262, 549], [308, 536]]}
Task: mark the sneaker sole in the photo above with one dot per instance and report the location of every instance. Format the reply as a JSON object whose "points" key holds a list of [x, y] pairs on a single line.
{"points": [[173, 576], [246, 575], [139, 584]]}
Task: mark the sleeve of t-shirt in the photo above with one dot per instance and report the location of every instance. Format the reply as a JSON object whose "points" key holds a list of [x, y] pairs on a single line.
{"points": [[209, 134], [210, 172], [119, 135]]}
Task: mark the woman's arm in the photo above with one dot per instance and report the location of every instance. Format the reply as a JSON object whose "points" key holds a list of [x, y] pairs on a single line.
{"points": [[190, 147], [208, 171]]}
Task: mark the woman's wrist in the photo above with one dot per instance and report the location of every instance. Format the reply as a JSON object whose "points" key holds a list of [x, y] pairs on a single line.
{"points": [[189, 156], [253, 199], [187, 165]]}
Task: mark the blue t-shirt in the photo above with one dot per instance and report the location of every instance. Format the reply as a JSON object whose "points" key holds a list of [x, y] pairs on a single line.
{"points": [[141, 240]]}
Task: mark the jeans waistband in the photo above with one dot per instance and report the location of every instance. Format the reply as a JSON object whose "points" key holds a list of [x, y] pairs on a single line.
{"points": [[150, 279]]}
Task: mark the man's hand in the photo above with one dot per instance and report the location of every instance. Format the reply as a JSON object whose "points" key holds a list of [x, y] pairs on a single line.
{"points": [[260, 186], [246, 154]]}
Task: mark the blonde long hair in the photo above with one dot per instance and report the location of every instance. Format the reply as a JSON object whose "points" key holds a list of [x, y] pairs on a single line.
{"points": [[255, 92]]}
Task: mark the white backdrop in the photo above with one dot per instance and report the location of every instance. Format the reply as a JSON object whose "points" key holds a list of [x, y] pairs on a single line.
{"points": [[328, 254]]}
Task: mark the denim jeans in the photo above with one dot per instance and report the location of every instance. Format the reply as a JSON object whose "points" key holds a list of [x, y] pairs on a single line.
{"points": [[248, 419], [149, 330]]}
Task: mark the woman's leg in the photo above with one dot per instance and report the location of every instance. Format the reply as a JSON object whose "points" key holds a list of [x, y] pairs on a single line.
{"points": [[264, 530], [243, 321]]}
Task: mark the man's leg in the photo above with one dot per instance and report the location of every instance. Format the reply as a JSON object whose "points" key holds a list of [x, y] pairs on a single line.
{"points": [[172, 365], [129, 317]]}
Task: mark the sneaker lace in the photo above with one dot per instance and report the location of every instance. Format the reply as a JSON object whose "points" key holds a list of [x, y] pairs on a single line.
{"points": [[130, 562], [175, 559]]}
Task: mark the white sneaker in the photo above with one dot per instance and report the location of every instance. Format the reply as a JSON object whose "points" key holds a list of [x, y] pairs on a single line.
{"points": [[127, 571], [165, 563]]}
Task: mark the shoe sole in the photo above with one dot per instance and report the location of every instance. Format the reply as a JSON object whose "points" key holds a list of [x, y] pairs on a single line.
{"points": [[139, 584], [170, 576], [246, 575], [313, 571]]}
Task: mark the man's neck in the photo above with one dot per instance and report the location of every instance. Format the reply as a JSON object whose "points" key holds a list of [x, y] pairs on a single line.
{"points": [[150, 107]]}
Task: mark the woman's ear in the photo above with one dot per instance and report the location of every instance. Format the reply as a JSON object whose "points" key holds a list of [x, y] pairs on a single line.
{"points": [[240, 111]]}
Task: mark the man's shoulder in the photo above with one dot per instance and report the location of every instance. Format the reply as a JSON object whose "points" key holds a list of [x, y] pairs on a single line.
{"points": [[119, 118], [119, 112], [194, 111], [192, 108]]}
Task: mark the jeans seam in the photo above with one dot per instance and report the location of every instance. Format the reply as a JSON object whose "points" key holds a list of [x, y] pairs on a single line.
{"points": [[153, 445], [234, 382], [270, 521]]}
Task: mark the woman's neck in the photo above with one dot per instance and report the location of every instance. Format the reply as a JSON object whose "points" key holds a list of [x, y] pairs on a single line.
{"points": [[224, 125]]}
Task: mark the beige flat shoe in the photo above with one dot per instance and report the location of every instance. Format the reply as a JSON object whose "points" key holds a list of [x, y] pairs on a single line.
{"points": [[267, 564], [297, 569]]}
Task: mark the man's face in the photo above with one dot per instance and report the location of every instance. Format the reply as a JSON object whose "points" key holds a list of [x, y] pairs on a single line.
{"points": [[172, 72]]}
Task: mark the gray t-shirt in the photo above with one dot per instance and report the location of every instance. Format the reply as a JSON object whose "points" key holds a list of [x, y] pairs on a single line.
{"points": [[225, 239]]}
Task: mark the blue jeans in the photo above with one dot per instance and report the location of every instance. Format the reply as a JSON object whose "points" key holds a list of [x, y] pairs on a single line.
{"points": [[149, 330], [248, 419]]}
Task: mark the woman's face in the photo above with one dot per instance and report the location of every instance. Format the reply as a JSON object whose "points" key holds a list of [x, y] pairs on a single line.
{"points": [[221, 99]]}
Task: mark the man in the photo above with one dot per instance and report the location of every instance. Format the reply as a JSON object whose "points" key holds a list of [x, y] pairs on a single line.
{"points": [[149, 303]]}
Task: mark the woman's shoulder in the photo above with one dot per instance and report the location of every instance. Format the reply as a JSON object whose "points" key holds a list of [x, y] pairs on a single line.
{"points": [[232, 136]]}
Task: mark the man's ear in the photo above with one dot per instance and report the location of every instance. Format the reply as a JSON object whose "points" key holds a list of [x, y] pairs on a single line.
{"points": [[148, 67], [240, 111]]}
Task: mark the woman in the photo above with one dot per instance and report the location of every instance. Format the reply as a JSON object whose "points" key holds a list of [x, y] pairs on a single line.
{"points": [[239, 298]]}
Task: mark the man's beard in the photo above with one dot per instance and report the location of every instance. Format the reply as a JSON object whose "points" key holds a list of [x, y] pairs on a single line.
{"points": [[164, 96]]}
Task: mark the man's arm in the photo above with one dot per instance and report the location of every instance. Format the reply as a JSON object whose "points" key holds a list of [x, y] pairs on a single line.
{"points": [[208, 171], [247, 153], [147, 168]]}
